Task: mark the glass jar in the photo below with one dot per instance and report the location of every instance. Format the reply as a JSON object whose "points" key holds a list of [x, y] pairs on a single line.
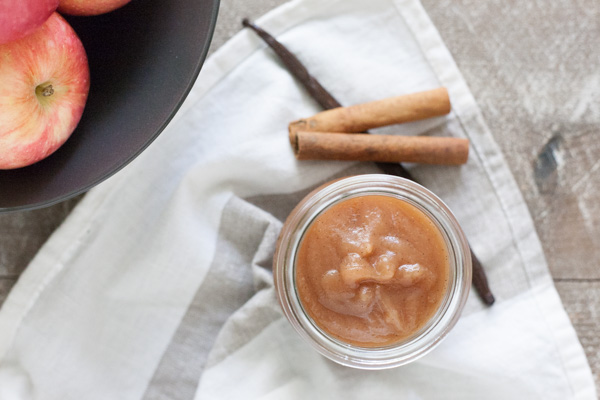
{"points": [[422, 341]]}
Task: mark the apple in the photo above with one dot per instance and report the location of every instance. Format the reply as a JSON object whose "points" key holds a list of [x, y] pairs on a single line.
{"points": [[44, 84], [19, 18], [89, 7]]}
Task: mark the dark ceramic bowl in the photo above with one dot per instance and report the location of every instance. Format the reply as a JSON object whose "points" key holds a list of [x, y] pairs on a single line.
{"points": [[144, 59]]}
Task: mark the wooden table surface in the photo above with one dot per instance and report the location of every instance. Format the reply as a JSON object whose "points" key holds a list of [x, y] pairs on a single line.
{"points": [[534, 69]]}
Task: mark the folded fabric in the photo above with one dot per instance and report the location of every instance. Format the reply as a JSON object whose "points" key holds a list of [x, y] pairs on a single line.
{"points": [[158, 286]]}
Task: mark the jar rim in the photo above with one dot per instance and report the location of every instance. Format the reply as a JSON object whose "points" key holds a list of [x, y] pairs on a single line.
{"points": [[428, 336]]}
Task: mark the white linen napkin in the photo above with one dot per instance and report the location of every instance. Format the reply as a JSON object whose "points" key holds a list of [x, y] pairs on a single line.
{"points": [[158, 285]]}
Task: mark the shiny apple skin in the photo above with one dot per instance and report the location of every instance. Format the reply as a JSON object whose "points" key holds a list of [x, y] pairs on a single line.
{"points": [[19, 18], [33, 126], [89, 7]]}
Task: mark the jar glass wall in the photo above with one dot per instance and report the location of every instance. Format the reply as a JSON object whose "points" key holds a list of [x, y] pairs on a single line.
{"points": [[425, 338]]}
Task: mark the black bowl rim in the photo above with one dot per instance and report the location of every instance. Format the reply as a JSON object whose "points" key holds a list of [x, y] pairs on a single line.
{"points": [[184, 95]]}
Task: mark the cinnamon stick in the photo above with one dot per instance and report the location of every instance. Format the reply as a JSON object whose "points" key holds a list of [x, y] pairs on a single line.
{"points": [[381, 148], [327, 101], [389, 111]]}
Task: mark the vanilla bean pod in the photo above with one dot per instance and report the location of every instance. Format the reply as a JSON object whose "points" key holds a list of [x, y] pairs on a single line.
{"points": [[327, 101]]}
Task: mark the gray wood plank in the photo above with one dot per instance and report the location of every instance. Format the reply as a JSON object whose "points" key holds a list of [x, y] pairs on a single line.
{"points": [[538, 90], [23, 233]]}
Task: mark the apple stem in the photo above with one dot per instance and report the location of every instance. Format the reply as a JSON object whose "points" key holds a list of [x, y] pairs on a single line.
{"points": [[45, 91]]}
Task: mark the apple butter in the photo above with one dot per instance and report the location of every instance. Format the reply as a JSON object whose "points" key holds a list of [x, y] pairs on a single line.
{"points": [[372, 270]]}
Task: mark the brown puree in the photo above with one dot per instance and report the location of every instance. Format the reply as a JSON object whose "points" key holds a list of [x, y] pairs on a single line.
{"points": [[372, 270]]}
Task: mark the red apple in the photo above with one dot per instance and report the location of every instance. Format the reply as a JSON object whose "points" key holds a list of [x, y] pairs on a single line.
{"points": [[89, 7], [44, 83], [19, 18]]}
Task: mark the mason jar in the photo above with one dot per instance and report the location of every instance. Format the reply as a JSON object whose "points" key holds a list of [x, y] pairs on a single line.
{"points": [[427, 337]]}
